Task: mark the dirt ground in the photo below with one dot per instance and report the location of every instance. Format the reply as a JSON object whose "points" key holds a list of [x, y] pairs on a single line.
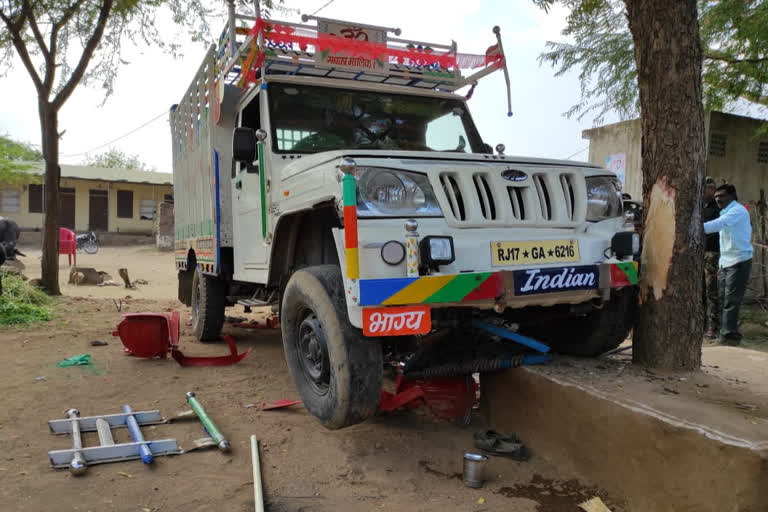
{"points": [[402, 461], [406, 461], [142, 261]]}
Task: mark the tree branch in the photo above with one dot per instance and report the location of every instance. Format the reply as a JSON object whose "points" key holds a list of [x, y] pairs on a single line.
{"points": [[90, 47], [723, 57], [14, 29], [71, 10], [36, 29]]}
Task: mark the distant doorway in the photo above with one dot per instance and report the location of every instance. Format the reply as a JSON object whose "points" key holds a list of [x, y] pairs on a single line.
{"points": [[67, 213], [98, 210]]}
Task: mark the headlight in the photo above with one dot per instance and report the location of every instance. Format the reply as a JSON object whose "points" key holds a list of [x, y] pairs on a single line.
{"points": [[604, 199], [391, 193]]}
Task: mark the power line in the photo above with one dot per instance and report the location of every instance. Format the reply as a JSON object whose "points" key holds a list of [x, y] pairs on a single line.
{"points": [[576, 153], [120, 137], [329, 2]]}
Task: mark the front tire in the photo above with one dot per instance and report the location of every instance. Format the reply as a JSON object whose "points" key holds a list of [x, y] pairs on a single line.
{"points": [[208, 304], [597, 332], [336, 371]]}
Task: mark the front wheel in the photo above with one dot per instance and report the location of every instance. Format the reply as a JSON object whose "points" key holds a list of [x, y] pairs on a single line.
{"points": [[336, 371], [597, 332]]}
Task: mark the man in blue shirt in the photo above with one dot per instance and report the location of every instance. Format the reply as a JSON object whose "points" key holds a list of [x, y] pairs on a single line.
{"points": [[735, 230]]}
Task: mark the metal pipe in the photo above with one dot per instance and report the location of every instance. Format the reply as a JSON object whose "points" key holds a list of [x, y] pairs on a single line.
{"points": [[208, 423], [497, 31], [133, 426], [77, 465], [232, 27], [105, 432], [258, 491]]}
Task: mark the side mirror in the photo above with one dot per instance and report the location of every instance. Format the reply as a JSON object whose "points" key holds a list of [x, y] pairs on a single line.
{"points": [[244, 145]]}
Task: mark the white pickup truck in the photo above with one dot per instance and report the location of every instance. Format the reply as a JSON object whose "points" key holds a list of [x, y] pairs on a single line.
{"points": [[330, 170]]}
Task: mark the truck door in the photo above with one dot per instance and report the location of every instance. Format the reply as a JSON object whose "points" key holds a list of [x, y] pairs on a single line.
{"points": [[250, 251]]}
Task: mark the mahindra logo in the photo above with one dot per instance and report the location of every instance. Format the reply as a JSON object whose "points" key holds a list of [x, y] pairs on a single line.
{"points": [[514, 175]]}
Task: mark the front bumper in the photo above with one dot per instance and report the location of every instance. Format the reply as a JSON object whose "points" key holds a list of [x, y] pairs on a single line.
{"points": [[504, 287], [379, 299]]}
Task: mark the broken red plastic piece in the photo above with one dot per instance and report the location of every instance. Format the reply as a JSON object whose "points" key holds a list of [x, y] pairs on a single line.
{"points": [[272, 322], [448, 398], [156, 334], [279, 404]]}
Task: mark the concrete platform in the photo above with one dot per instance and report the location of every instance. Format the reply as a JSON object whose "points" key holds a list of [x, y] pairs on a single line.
{"points": [[656, 441]]}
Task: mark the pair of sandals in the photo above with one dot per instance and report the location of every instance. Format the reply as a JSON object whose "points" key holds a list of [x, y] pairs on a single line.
{"points": [[501, 445]]}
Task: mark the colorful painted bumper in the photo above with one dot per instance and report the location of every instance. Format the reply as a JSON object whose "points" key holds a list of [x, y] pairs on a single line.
{"points": [[493, 286]]}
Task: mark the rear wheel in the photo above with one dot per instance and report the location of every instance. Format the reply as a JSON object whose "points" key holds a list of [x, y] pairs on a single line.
{"points": [[208, 304], [597, 332], [336, 371]]}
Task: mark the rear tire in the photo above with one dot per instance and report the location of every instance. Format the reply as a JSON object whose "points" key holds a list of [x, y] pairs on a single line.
{"points": [[595, 333], [336, 371], [208, 304]]}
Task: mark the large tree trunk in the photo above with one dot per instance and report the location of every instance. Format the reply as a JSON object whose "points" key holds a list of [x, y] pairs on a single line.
{"points": [[668, 56], [49, 123]]}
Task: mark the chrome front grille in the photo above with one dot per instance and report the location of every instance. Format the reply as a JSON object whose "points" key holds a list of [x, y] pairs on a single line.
{"points": [[547, 197]]}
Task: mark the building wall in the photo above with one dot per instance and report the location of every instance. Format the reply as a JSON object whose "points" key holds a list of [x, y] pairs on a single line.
{"points": [[135, 224], [612, 139], [739, 165]]}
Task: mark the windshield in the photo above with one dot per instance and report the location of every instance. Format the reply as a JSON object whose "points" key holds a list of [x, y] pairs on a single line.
{"points": [[309, 119]]}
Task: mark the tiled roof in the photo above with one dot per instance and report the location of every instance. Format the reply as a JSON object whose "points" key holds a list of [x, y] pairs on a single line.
{"points": [[85, 172]]}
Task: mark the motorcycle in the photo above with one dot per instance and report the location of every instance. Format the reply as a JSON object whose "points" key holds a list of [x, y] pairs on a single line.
{"points": [[88, 242]]}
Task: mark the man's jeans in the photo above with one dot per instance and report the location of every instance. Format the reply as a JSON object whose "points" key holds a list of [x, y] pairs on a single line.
{"points": [[733, 286]]}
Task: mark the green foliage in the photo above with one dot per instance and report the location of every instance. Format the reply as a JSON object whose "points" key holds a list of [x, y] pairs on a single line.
{"points": [[734, 37], [15, 159], [21, 303], [114, 158], [734, 41]]}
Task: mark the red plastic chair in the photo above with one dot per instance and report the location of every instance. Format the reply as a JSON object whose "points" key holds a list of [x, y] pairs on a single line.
{"points": [[68, 244]]}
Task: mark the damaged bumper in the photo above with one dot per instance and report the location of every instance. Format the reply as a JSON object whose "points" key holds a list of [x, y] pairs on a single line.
{"points": [[401, 306]]}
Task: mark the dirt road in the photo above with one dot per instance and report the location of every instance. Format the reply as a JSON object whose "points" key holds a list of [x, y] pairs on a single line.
{"points": [[405, 461]]}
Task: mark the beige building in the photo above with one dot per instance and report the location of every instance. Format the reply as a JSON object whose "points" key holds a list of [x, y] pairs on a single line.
{"points": [[93, 198], [735, 153]]}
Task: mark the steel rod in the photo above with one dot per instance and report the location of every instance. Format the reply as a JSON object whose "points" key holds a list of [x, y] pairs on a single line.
{"points": [[133, 427], [258, 491], [77, 465], [105, 432], [208, 423]]}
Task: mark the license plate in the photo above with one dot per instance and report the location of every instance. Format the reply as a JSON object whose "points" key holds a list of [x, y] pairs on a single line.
{"points": [[536, 252], [397, 321]]}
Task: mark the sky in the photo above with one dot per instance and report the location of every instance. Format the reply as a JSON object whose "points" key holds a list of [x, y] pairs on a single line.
{"points": [[152, 81]]}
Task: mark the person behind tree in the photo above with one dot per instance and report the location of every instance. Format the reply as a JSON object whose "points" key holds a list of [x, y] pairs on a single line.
{"points": [[735, 261], [712, 310]]}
